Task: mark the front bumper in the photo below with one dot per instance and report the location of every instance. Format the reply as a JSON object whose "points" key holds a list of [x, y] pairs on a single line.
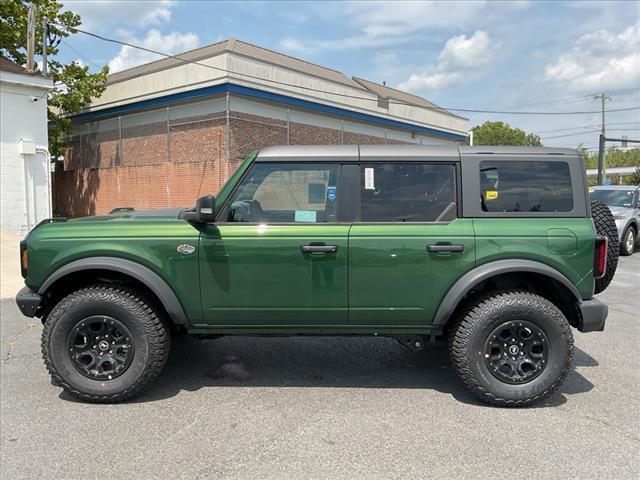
{"points": [[28, 302], [594, 315]]}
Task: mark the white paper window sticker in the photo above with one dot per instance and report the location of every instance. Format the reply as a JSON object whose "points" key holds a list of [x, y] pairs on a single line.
{"points": [[368, 179]]}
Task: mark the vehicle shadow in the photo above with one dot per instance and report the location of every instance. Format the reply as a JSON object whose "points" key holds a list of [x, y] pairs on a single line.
{"points": [[327, 362]]}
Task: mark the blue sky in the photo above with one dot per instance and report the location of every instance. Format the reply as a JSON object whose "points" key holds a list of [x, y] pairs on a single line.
{"points": [[519, 55]]}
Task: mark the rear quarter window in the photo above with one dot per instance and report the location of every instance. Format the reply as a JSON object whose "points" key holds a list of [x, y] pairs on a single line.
{"points": [[525, 186]]}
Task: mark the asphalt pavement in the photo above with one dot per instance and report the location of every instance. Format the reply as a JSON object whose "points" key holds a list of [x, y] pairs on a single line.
{"points": [[326, 408]]}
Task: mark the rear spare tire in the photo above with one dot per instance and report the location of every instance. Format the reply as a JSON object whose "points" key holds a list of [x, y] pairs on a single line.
{"points": [[605, 225]]}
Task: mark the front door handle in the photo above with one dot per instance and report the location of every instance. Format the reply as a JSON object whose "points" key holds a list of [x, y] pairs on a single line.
{"points": [[445, 247], [318, 248]]}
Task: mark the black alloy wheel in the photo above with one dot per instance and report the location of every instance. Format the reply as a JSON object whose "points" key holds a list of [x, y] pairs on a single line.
{"points": [[516, 352], [101, 347]]}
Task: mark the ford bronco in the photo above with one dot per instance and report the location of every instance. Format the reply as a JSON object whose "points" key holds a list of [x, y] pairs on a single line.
{"points": [[498, 249]]}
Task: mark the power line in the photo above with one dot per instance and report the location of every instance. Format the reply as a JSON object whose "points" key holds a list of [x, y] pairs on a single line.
{"points": [[568, 135], [624, 90], [436, 108], [627, 91], [637, 122], [553, 130], [81, 55], [589, 131], [550, 102]]}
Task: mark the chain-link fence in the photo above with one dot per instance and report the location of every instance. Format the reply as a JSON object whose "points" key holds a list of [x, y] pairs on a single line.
{"points": [[175, 153], [220, 130]]}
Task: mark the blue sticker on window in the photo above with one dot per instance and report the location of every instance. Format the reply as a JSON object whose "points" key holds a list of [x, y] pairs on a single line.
{"points": [[305, 216], [331, 193]]}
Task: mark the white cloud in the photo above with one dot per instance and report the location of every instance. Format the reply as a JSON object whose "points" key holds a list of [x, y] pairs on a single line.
{"points": [[461, 52], [99, 14], [384, 24], [600, 60], [460, 58], [173, 42], [400, 18]]}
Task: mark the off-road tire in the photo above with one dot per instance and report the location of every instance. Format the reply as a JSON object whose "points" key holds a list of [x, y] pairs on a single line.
{"points": [[628, 244], [150, 335], [474, 326], [605, 224]]}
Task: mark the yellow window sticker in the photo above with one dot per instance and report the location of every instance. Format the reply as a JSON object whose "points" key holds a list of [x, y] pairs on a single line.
{"points": [[491, 194]]}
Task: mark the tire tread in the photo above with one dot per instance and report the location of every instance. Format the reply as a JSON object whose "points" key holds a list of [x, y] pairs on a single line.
{"points": [[156, 329], [461, 335]]}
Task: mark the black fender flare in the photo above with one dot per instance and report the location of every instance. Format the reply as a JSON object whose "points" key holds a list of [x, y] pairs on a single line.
{"points": [[483, 272], [135, 270]]}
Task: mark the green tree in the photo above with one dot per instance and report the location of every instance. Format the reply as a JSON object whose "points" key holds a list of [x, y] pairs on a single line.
{"points": [[74, 86], [500, 133], [634, 179], [613, 157]]}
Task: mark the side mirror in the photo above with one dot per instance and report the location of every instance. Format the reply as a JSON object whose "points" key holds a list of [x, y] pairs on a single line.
{"points": [[206, 209]]}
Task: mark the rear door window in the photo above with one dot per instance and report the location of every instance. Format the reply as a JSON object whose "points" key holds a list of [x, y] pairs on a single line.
{"points": [[536, 186], [407, 192]]}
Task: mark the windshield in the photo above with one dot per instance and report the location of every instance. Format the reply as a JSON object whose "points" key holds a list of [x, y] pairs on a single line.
{"points": [[614, 198]]}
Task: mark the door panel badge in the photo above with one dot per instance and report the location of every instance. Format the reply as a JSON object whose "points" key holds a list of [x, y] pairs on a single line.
{"points": [[186, 248]]}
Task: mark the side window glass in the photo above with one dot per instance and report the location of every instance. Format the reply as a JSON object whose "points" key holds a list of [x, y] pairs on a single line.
{"points": [[287, 192], [407, 192], [536, 186]]}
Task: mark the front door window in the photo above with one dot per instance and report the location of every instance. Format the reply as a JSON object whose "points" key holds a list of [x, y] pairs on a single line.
{"points": [[286, 193]]}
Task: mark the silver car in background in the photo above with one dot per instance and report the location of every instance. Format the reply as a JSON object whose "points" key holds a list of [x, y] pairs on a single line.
{"points": [[624, 203]]}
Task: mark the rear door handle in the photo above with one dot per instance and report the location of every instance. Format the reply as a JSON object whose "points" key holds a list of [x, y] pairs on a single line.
{"points": [[319, 248], [445, 247]]}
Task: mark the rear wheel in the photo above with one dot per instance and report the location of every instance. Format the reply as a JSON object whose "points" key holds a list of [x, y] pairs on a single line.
{"points": [[605, 225], [104, 343], [628, 244], [512, 349]]}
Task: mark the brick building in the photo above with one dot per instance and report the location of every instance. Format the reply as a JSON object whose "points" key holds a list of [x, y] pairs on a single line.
{"points": [[164, 133]]}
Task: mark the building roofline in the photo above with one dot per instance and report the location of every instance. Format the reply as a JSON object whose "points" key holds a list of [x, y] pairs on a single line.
{"points": [[176, 56], [227, 46], [364, 81], [9, 66], [232, 88]]}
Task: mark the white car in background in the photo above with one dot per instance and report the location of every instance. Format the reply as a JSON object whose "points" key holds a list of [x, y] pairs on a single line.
{"points": [[624, 203]]}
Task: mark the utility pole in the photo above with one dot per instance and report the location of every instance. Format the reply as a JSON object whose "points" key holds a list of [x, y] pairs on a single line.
{"points": [[45, 34], [31, 36], [601, 143]]}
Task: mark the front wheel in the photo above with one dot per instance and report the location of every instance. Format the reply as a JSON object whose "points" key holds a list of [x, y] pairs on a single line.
{"points": [[628, 244], [104, 343], [512, 349]]}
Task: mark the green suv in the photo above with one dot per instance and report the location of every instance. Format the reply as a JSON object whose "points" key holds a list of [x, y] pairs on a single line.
{"points": [[494, 248]]}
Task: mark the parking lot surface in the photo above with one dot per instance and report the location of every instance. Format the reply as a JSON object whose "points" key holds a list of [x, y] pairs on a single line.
{"points": [[326, 408]]}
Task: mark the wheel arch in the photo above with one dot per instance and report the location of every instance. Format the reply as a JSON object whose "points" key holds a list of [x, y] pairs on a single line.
{"points": [[503, 269], [144, 276]]}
